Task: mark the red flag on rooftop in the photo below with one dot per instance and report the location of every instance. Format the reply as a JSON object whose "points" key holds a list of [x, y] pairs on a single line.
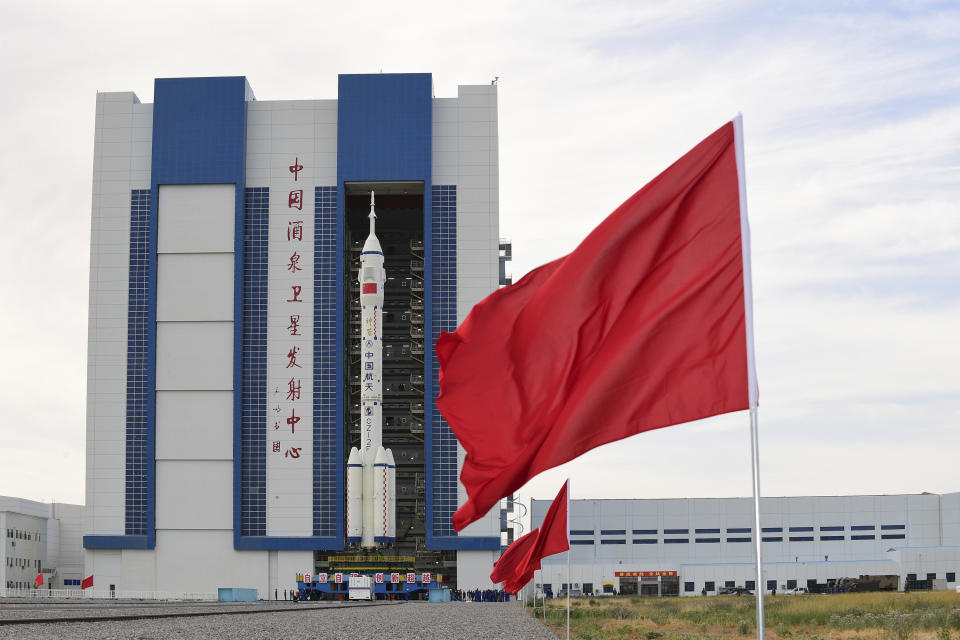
{"points": [[646, 324], [38, 581], [87, 582], [516, 566]]}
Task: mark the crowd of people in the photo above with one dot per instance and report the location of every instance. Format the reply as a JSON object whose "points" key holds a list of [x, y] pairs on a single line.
{"points": [[481, 595]]}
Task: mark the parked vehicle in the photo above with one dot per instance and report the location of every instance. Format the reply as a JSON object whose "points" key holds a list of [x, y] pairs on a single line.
{"points": [[796, 591]]}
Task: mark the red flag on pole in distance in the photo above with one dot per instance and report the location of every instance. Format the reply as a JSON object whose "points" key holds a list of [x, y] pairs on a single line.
{"points": [[38, 581], [517, 564], [505, 569], [87, 582], [644, 325]]}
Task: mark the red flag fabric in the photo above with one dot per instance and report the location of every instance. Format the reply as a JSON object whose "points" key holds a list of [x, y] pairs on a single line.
{"points": [[38, 581], [644, 325], [87, 582], [517, 565], [506, 569]]}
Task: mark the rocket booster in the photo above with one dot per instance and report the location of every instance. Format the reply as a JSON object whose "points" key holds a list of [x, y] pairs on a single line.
{"points": [[371, 471]]}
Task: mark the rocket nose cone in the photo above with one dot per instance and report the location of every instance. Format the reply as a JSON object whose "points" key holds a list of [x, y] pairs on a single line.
{"points": [[381, 456], [354, 457], [390, 459]]}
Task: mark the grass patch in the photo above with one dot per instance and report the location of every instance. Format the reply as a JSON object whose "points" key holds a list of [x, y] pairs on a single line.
{"points": [[850, 616]]}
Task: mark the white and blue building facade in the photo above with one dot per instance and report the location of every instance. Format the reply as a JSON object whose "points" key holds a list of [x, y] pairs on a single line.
{"points": [[692, 546], [218, 404]]}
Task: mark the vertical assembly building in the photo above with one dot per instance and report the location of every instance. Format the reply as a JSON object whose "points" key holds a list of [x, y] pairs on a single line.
{"points": [[225, 362]]}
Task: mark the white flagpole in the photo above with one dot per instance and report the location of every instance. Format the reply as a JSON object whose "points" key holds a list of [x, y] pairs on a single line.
{"points": [[751, 363], [760, 586], [569, 576]]}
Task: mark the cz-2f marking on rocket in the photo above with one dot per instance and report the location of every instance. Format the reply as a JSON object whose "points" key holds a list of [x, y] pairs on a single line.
{"points": [[371, 471]]}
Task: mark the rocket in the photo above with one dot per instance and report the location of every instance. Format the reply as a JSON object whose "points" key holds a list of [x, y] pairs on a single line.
{"points": [[371, 470]]}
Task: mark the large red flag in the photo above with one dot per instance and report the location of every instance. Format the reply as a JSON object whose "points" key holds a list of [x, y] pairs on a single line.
{"points": [[87, 582], [517, 564], [646, 324]]}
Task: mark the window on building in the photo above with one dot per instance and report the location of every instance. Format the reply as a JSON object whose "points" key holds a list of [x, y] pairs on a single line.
{"points": [[644, 541], [587, 588], [706, 530], [892, 527], [563, 586], [613, 532], [581, 532], [863, 527], [613, 542], [750, 585], [581, 542], [801, 538], [709, 586], [911, 576], [771, 529], [863, 537], [644, 532], [675, 541], [676, 531], [740, 530], [791, 584], [773, 538], [707, 540], [800, 529], [688, 587], [730, 584], [931, 576], [739, 539], [771, 585], [893, 536], [951, 576], [831, 538], [831, 528]]}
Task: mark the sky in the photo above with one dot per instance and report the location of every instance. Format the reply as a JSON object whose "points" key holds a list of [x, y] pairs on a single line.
{"points": [[851, 115]]}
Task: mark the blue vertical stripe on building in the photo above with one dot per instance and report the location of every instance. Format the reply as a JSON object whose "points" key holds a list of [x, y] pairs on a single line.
{"points": [[135, 499], [253, 469], [443, 309], [327, 443]]}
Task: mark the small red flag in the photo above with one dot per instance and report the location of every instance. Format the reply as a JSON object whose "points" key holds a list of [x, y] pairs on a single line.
{"points": [[87, 582], [38, 581], [518, 563], [513, 559], [644, 325]]}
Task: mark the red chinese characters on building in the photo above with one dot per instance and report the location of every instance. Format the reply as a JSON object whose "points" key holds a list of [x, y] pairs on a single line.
{"points": [[293, 420], [295, 199], [296, 168], [294, 265], [295, 231], [294, 389], [292, 358]]}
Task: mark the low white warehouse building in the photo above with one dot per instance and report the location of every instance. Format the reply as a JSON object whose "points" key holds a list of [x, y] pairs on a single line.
{"points": [[700, 546]]}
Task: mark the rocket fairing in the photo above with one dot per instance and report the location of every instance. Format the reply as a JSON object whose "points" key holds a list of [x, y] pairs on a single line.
{"points": [[371, 471]]}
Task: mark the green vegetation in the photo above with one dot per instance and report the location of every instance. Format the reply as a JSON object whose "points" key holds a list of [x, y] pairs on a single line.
{"points": [[850, 616]]}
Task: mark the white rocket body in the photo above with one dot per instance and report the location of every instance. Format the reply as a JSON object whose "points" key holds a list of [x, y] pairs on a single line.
{"points": [[371, 485]]}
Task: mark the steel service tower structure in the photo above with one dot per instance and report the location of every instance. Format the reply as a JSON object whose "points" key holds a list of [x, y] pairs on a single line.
{"points": [[371, 470]]}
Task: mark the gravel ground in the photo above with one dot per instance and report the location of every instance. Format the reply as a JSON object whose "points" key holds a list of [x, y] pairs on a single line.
{"points": [[420, 620]]}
